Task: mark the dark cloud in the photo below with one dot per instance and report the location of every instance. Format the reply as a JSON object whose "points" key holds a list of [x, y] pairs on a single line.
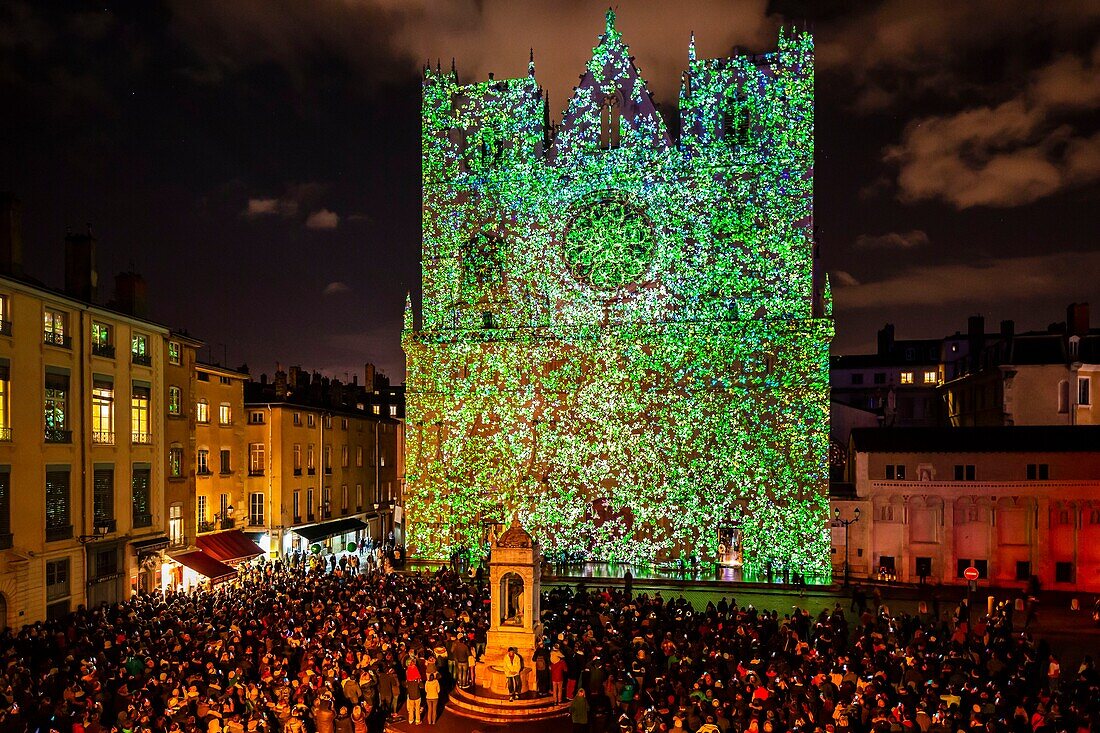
{"points": [[893, 240]]}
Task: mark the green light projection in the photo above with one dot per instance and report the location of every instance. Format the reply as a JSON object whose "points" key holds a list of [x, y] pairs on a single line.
{"points": [[621, 340]]}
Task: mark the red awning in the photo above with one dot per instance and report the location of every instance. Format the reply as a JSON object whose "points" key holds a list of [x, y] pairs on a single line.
{"points": [[228, 546], [205, 565]]}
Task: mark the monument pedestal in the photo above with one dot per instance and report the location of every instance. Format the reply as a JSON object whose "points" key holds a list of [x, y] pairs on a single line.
{"points": [[514, 623]]}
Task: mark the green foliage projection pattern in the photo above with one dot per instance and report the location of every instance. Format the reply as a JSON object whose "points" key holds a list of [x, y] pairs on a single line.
{"points": [[681, 383], [609, 243]]}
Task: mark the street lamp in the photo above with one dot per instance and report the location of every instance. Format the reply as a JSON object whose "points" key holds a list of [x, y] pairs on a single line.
{"points": [[100, 529], [846, 523]]}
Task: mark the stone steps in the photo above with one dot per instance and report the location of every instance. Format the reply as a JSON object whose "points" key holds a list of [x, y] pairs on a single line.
{"points": [[496, 710]]}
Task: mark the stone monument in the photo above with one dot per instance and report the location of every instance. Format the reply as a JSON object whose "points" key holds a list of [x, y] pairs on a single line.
{"points": [[514, 574]]}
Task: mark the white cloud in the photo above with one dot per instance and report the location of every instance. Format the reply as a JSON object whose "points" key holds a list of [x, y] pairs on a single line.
{"points": [[261, 207], [893, 240], [323, 219], [336, 288]]}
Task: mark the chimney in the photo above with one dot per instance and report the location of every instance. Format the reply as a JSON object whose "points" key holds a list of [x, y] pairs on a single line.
{"points": [[368, 376], [11, 235], [280, 384], [975, 333], [130, 294], [1077, 319], [81, 277], [886, 340]]}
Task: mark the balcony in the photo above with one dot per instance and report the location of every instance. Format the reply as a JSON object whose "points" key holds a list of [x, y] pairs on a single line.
{"points": [[139, 438], [6, 541], [55, 534], [5, 328], [103, 437], [5, 435], [255, 472], [59, 340], [57, 435], [207, 526], [107, 351], [141, 359], [311, 471], [143, 520]]}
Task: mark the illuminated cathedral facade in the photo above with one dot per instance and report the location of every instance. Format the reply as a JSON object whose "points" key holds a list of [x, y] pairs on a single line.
{"points": [[622, 341]]}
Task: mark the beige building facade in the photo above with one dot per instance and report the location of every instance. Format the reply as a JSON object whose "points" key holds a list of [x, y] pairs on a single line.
{"points": [[82, 430], [1012, 502]]}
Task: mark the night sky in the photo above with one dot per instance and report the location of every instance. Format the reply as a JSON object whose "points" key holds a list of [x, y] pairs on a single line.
{"points": [[258, 161]]}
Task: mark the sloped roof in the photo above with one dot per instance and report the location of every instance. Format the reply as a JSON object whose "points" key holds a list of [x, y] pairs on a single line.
{"points": [[1016, 439]]}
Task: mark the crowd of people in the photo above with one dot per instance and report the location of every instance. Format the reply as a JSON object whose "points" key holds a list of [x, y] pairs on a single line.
{"points": [[287, 648]]}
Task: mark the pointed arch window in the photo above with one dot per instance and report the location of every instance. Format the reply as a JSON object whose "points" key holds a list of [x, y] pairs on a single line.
{"points": [[610, 122]]}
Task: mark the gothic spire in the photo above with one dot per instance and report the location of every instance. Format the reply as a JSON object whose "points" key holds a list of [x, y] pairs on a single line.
{"points": [[531, 63], [691, 47]]}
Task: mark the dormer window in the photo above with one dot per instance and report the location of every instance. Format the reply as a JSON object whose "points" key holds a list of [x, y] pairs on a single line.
{"points": [[610, 123], [1074, 347]]}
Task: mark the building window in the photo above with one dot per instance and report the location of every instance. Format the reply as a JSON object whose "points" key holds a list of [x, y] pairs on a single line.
{"points": [[58, 526], [225, 459], [376, 409], [359, 455], [175, 400], [326, 505], [256, 509], [328, 422], [931, 377], [1063, 396], [343, 423], [1038, 471], [344, 498], [880, 377], [57, 408], [139, 415], [225, 414], [310, 465], [225, 380], [328, 459], [202, 462], [143, 506], [256, 417], [54, 324], [1083, 391], [175, 461], [57, 579], [256, 462], [895, 472], [1063, 572], [1094, 516], [359, 497], [5, 507], [309, 504], [310, 420], [297, 418], [972, 514], [174, 352], [202, 411], [907, 377], [5, 414], [297, 505], [202, 376], [101, 340], [103, 495], [1023, 570], [103, 412], [345, 456], [139, 349], [982, 566], [1062, 517], [857, 379], [200, 513], [887, 513], [965, 472], [175, 525], [5, 316], [297, 459]]}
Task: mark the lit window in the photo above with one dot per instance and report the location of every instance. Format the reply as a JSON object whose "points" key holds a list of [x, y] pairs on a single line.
{"points": [[202, 462], [907, 377], [175, 461], [139, 415], [931, 377], [202, 411], [393, 410], [256, 509], [175, 400], [225, 414], [256, 461], [5, 415], [173, 352], [310, 420], [139, 349], [54, 323], [103, 412], [101, 339]]}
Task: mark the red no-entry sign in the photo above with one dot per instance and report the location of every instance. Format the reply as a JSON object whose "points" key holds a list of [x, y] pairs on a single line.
{"points": [[971, 573]]}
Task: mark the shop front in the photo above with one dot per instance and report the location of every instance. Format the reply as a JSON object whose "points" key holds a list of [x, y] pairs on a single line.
{"points": [[193, 569], [333, 537], [231, 547], [147, 562]]}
